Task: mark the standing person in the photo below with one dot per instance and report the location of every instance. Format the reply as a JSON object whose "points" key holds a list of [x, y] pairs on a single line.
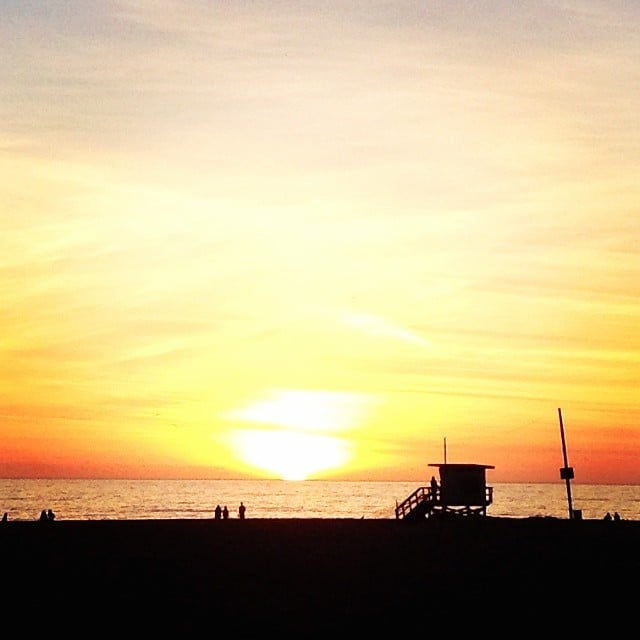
{"points": [[217, 512], [50, 515], [434, 487], [225, 512], [241, 510]]}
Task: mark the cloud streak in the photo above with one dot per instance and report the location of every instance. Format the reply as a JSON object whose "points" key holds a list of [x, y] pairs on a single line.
{"points": [[423, 205]]}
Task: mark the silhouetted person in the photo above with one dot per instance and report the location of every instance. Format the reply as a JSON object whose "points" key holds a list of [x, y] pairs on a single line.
{"points": [[5, 517], [217, 512], [434, 487], [241, 510], [616, 516], [607, 516], [225, 513], [51, 516], [43, 516]]}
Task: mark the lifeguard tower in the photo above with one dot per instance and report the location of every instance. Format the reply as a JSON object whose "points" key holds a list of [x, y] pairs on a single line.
{"points": [[462, 491]]}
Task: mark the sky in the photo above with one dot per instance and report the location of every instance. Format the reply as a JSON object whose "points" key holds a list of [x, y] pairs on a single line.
{"points": [[319, 239]]}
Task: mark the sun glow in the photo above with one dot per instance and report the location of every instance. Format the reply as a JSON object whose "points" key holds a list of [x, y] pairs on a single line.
{"points": [[300, 441], [290, 455]]}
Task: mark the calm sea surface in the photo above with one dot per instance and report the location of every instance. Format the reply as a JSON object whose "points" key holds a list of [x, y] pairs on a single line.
{"points": [[164, 499]]}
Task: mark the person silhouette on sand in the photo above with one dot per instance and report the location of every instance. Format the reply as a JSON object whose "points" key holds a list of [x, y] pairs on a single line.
{"points": [[217, 512], [51, 516], [225, 513], [43, 516], [241, 510]]}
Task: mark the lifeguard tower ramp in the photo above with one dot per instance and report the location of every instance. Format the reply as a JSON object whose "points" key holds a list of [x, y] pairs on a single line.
{"points": [[461, 491]]}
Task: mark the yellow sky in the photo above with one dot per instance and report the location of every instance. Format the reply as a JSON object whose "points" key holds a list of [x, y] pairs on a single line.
{"points": [[316, 239]]}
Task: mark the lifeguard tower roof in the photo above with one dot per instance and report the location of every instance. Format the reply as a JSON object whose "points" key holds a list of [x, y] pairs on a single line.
{"points": [[458, 465]]}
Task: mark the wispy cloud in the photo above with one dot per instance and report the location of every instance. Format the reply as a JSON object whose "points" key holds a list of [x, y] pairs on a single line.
{"points": [[337, 201]]}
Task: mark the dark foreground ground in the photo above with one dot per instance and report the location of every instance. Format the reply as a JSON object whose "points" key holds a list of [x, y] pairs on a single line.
{"points": [[312, 577]]}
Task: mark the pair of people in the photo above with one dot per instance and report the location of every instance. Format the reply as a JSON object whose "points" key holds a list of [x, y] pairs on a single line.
{"points": [[221, 513]]}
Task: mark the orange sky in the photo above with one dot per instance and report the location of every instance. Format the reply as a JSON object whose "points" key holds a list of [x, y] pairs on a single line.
{"points": [[315, 240]]}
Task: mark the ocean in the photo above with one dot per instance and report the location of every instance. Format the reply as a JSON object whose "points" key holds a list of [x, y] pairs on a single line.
{"points": [[185, 499]]}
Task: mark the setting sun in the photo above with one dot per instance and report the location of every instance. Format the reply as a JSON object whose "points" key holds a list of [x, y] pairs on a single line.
{"points": [[290, 456], [298, 436]]}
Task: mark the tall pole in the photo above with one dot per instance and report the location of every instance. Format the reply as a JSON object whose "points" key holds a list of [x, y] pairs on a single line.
{"points": [[566, 473], [445, 451]]}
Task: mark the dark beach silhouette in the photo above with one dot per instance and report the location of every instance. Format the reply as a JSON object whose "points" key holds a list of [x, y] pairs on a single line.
{"points": [[310, 577]]}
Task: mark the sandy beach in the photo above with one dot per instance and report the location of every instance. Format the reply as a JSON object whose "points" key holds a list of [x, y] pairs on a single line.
{"points": [[300, 575]]}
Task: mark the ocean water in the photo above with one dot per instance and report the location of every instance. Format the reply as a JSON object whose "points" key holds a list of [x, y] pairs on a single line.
{"points": [[180, 499]]}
